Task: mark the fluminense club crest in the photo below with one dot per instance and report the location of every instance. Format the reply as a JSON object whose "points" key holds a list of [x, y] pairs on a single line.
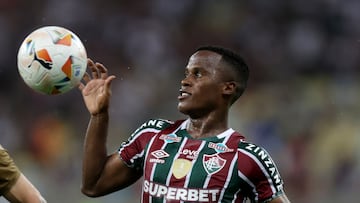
{"points": [[213, 163]]}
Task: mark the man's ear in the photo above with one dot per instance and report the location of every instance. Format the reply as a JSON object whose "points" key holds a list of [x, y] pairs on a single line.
{"points": [[229, 88]]}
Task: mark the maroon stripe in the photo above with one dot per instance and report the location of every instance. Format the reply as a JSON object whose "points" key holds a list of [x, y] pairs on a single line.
{"points": [[157, 144]]}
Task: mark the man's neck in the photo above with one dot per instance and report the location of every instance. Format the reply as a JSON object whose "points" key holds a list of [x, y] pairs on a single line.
{"points": [[206, 127]]}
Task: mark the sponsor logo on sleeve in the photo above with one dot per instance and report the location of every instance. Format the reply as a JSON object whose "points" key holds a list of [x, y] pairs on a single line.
{"points": [[267, 162], [220, 147], [170, 138]]}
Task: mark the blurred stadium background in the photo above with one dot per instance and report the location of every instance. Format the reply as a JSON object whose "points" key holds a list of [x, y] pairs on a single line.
{"points": [[302, 104]]}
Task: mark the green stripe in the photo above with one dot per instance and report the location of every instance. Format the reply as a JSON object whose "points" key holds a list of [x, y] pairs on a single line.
{"points": [[163, 170], [198, 175]]}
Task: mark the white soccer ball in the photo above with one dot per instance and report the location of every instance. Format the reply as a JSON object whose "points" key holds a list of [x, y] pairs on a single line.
{"points": [[52, 60]]}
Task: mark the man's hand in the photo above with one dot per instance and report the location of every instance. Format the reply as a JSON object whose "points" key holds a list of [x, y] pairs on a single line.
{"points": [[96, 89]]}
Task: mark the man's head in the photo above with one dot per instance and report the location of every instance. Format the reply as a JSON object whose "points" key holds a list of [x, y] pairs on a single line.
{"points": [[215, 78], [238, 69]]}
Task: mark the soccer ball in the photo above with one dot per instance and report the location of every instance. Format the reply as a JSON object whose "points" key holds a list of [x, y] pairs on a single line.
{"points": [[52, 60]]}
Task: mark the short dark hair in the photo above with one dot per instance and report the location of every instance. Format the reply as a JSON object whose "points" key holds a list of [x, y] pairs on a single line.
{"points": [[236, 62]]}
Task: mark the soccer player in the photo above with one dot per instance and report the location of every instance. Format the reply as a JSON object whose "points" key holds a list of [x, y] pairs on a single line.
{"points": [[14, 186], [197, 159]]}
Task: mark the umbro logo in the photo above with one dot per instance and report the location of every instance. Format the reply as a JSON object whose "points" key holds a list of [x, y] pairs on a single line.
{"points": [[159, 154]]}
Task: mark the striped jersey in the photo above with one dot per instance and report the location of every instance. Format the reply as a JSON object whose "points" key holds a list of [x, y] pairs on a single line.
{"points": [[178, 168]]}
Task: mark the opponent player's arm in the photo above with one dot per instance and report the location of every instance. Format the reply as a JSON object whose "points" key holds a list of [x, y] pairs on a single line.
{"points": [[24, 192]]}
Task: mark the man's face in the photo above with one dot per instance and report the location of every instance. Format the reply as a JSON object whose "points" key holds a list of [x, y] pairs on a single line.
{"points": [[201, 89]]}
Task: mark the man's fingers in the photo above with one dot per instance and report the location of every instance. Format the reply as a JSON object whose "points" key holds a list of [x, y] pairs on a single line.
{"points": [[81, 86], [93, 69], [86, 78], [103, 71], [98, 71], [109, 80]]}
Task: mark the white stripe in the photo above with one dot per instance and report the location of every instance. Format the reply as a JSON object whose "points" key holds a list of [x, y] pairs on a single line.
{"points": [[145, 158], [228, 177], [224, 134], [185, 124], [227, 132], [154, 164], [153, 168]]}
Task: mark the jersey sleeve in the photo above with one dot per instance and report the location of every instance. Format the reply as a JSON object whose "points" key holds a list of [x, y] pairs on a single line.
{"points": [[258, 170], [9, 173], [132, 150]]}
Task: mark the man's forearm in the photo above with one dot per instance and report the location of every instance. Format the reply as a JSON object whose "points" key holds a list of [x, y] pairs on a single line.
{"points": [[95, 152]]}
